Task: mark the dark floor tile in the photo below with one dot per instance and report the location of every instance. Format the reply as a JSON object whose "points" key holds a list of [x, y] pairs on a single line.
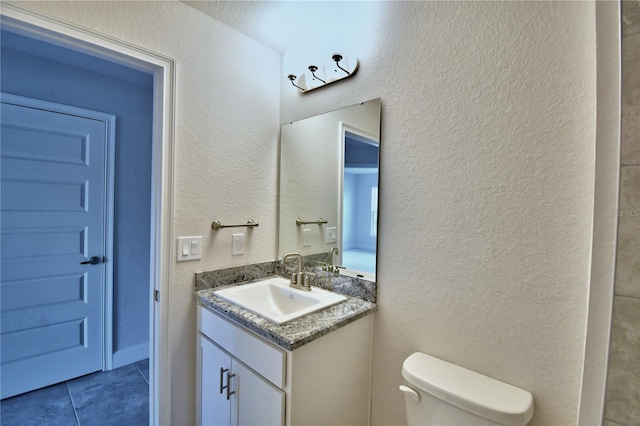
{"points": [[116, 397], [49, 406], [143, 366]]}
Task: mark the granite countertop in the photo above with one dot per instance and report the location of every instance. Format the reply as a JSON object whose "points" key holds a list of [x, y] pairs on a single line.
{"points": [[293, 334]]}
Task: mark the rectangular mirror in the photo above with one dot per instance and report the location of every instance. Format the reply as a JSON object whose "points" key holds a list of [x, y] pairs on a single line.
{"points": [[329, 168]]}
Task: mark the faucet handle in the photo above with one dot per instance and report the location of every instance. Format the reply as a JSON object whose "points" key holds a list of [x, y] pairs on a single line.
{"points": [[306, 282]]}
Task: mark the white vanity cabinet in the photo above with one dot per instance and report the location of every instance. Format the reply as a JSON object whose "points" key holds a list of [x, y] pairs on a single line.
{"points": [[232, 394], [243, 379]]}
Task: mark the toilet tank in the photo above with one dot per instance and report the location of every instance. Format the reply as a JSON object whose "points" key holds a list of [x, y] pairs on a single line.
{"points": [[441, 393]]}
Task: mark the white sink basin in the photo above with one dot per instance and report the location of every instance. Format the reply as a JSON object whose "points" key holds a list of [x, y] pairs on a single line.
{"points": [[274, 300]]}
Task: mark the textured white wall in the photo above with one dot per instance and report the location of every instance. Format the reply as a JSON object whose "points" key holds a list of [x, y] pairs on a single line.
{"points": [[486, 192], [487, 178], [226, 146]]}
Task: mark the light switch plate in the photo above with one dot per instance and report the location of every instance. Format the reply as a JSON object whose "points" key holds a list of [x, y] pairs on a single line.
{"points": [[237, 244], [306, 238], [332, 235], [189, 248]]}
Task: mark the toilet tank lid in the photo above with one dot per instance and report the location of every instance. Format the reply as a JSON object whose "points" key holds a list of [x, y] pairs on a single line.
{"points": [[468, 390]]}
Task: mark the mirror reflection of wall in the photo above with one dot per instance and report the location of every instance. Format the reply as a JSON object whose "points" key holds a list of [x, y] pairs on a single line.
{"points": [[328, 167]]}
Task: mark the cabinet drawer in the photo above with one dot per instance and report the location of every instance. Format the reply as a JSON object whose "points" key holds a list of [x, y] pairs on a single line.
{"points": [[262, 357]]}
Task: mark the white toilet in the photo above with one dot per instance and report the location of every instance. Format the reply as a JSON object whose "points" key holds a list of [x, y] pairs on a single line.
{"points": [[439, 393]]}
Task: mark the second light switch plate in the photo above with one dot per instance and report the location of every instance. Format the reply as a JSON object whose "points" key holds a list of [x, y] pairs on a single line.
{"points": [[237, 244], [332, 235]]}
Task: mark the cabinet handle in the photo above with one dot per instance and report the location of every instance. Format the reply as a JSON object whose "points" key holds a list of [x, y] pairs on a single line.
{"points": [[222, 371], [228, 385], [229, 376]]}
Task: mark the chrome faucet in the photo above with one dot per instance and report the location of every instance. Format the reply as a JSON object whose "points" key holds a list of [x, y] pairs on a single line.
{"points": [[334, 250], [299, 279], [330, 267]]}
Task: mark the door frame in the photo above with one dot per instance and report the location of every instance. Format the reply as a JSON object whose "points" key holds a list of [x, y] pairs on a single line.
{"points": [[604, 231], [88, 41], [110, 154]]}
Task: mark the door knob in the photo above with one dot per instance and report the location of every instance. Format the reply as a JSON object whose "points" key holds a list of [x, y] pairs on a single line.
{"points": [[94, 260]]}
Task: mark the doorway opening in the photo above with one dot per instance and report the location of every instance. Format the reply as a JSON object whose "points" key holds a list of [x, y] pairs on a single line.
{"points": [[359, 202], [40, 27]]}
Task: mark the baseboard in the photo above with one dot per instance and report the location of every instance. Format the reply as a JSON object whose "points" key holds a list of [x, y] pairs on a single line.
{"points": [[130, 355]]}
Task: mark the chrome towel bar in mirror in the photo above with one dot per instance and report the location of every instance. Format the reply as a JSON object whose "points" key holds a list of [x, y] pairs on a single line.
{"points": [[320, 221]]}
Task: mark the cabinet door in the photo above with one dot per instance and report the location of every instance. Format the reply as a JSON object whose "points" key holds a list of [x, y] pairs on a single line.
{"points": [[256, 401], [213, 367]]}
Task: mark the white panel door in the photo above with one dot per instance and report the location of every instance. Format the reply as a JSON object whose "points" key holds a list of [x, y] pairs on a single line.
{"points": [[53, 173]]}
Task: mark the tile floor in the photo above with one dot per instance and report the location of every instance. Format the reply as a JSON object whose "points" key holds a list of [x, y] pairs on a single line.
{"points": [[117, 397]]}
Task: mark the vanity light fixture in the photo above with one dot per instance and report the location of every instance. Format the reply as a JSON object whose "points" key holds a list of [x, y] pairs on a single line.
{"points": [[337, 58], [323, 72], [292, 78], [313, 70]]}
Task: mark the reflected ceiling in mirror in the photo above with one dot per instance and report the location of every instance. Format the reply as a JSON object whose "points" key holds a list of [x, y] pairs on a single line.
{"points": [[329, 168]]}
